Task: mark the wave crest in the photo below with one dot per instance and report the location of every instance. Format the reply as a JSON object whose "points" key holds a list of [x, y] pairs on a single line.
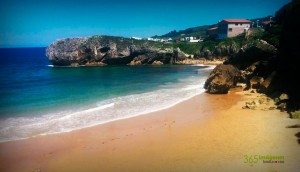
{"points": [[102, 112]]}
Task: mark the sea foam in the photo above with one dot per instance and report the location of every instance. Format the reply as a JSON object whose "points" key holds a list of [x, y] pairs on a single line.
{"points": [[117, 108]]}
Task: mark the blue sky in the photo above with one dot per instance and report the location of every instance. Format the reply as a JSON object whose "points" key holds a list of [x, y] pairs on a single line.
{"points": [[32, 23]]}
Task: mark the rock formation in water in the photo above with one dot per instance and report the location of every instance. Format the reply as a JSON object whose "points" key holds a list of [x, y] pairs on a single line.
{"points": [[109, 50]]}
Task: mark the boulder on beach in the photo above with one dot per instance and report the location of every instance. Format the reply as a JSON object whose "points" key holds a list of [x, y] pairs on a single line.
{"points": [[221, 79]]}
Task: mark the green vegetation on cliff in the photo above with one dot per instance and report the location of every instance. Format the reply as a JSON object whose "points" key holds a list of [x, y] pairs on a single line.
{"points": [[211, 48]]}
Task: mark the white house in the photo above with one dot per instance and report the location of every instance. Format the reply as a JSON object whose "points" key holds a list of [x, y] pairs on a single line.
{"points": [[193, 39]]}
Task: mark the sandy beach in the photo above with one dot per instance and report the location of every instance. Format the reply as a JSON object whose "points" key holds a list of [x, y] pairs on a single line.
{"points": [[149, 86], [204, 133]]}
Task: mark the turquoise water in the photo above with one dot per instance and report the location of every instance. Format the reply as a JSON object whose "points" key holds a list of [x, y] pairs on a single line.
{"points": [[39, 99]]}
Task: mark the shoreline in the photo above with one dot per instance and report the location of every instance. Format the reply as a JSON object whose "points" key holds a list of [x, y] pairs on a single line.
{"points": [[75, 115], [103, 123], [137, 113], [201, 61], [211, 129]]}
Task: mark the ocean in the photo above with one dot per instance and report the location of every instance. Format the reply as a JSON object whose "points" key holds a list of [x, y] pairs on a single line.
{"points": [[37, 98]]}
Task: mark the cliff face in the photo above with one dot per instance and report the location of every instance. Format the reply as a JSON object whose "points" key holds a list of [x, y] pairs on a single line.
{"points": [[253, 61], [270, 70], [108, 50], [289, 50]]}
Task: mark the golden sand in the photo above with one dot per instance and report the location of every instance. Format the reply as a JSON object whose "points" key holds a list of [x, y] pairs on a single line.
{"points": [[204, 133]]}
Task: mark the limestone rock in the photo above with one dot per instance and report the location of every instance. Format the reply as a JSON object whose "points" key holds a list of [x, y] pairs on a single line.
{"points": [[108, 50], [157, 62]]}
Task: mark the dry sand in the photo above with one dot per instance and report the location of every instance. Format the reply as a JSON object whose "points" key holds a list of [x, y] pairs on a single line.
{"points": [[204, 133]]}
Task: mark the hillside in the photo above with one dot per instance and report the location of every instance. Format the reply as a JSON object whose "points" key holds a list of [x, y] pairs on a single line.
{"points": [[200, 31], [193, 31]]}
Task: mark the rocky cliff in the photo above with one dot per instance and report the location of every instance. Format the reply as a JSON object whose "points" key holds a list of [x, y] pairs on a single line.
{"points": [[288, 61], [255, 63], [109, 50], [269, 69]]}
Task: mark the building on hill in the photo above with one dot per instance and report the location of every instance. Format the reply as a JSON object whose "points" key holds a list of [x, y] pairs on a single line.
{"points": [[228, 28]]}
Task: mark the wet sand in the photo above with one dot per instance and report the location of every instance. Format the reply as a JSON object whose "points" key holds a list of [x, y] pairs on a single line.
{"points": [[204, 133]]}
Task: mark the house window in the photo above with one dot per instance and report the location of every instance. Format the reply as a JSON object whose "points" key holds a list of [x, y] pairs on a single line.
{"points": [[229, 29], [236, 24]]}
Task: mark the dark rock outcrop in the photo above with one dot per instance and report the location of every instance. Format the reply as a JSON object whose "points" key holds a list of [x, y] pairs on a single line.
{"points": [[289, 52], [251, 53], [272, 70], [221, 79], [256, 81], [255, 65], [252, 64], [267, 84], [255, 74], [108, 50]]}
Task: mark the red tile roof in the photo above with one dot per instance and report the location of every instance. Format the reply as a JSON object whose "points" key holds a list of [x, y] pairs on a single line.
{"points": [[236, 21]]}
